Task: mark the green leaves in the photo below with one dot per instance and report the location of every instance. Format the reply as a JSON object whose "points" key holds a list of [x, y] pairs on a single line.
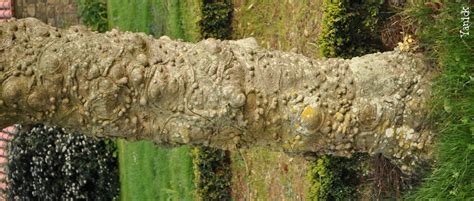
{"points": [[334, 178], [213, 173], [216, 19], [350, 28], [93, 13], [48, 163]]}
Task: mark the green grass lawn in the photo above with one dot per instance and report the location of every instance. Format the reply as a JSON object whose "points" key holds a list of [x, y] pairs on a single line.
{"points": [[453, 101], [174, 18], [148, 172]]}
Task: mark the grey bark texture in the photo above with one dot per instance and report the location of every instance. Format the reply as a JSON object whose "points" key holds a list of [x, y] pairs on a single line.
{"points": [[225, 94]]}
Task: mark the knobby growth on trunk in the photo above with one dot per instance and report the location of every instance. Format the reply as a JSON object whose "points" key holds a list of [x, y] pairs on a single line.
{"points": [[225, 94]]}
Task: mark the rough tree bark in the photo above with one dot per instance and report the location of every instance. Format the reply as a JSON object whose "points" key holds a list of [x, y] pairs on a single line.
{"points": [[225, 94]]}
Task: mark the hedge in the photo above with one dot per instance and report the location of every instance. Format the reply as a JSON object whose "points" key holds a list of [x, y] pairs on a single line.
{"points": [[93, 14], [216, 19], [212, 167], [351, 28], [212, 172]]}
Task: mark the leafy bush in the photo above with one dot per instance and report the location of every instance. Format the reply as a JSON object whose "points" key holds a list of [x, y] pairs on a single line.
{"points": [[93, 13], [212, 167], [216, 19], [46, 163], [351, 28], [334, 178], [213, 173]]}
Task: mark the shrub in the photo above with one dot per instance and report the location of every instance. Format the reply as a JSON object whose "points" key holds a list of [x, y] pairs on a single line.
{"points": [[334, 178], [93, 14], [351, 28], [46, 163], [213, 173], [212, 167], [216, 19]]}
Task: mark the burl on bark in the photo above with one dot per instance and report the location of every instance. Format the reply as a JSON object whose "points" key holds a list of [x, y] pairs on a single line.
{"points": [[226, 94]]}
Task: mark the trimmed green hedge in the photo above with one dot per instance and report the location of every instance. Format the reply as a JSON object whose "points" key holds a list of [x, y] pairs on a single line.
{"points": [[216, 19], [335, 178], [350, 28], [212, 167], [213, 173]]}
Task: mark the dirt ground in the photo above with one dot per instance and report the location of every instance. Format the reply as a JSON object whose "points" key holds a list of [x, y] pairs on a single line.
{"points": [[260, 174], [280, 24]]}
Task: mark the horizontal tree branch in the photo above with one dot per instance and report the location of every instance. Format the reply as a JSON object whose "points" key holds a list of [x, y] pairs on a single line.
{"points": [[225, 94]]}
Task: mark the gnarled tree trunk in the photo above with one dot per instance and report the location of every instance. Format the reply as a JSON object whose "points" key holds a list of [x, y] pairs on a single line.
{"points": [[225, 94]]}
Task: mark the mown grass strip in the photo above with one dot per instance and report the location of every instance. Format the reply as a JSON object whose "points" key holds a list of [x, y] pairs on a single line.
{"points": [[149, 172]]}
